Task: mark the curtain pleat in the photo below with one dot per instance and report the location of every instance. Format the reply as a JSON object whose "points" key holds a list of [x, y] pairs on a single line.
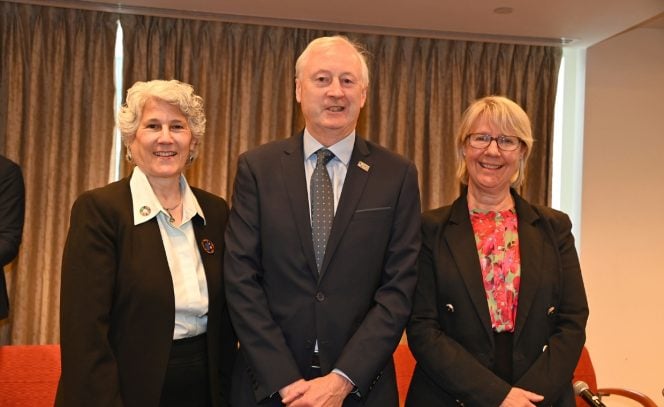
{"points": [[56, 122]]}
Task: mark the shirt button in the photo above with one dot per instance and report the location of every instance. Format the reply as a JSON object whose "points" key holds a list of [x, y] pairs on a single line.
{"points": [[320, 296]]}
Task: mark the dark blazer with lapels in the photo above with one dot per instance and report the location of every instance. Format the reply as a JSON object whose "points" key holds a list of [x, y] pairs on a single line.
{"points": [[12, 212], [358, 305], [118, 306], [450, 330]]}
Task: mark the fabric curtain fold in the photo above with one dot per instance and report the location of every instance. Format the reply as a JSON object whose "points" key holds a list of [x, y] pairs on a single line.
{"points": [[56, 122]]}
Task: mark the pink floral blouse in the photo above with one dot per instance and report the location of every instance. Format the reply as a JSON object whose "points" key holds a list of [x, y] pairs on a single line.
{"points": [[497, 239]]}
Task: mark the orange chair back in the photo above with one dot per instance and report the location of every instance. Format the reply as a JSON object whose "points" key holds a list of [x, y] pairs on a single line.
{"points": [[29, 375], [404, 363]]}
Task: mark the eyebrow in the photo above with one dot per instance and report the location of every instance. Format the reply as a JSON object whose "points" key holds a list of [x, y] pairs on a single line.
{"points": [[328, 72]]}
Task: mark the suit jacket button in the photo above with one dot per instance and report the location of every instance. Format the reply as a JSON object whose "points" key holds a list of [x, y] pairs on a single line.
{"points": [[320, 296]]}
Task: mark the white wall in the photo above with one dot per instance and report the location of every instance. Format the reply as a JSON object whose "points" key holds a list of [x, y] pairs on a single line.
{"points": [[622, 247], [567, 171]]}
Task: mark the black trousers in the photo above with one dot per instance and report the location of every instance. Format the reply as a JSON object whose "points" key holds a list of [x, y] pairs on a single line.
{"points": [[502, 366], [187, 381]]}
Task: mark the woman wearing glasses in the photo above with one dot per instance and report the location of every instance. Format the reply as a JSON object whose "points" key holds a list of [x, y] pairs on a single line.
{"points": [[500, 310]]}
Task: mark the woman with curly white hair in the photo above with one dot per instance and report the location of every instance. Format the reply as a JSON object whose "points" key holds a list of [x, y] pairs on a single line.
{"points": [[143, 313]]}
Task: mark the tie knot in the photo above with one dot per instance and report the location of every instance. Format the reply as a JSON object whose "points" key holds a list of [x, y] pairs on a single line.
{"points": [[323, 156]]}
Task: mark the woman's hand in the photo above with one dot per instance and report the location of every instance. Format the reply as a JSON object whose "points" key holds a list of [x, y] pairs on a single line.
{"points": [[521, 398]]}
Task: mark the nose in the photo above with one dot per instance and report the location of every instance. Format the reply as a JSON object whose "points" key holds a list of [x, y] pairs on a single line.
{"points": [[492, 148], [335, 88], [165, 135]]}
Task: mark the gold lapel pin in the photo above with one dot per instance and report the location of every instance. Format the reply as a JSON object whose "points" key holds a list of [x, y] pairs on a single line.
{"points": [[144, 210], [364, 166]]}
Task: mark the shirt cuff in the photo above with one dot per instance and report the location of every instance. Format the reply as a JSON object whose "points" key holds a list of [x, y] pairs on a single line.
{"points": [[355, 390]]}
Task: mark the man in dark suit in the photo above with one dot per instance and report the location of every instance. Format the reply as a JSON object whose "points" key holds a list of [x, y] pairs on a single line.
{"points": [[319, 298], [12, 210]]}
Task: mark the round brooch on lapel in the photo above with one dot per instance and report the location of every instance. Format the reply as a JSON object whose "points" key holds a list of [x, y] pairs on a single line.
{"points": [[144, 210], [208, 246]]}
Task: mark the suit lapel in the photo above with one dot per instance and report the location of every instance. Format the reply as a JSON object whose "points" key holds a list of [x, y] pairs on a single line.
{"points": [[295, 180], [148, 242], [356, 179], [207, 247], [530, 249], [463, 248], [461, 240], [147, 254]]}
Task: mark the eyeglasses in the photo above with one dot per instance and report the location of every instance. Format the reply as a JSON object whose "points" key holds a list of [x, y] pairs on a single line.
{"points": [[505, 143]]}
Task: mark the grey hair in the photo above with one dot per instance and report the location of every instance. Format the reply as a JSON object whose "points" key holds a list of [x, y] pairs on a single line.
{"points": [[174, 92], [325, 42]]}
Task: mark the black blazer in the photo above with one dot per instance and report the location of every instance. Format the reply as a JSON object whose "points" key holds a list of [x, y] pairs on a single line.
{"points": [[117, 307], [450, 330], [12, 211], [356, 308]]}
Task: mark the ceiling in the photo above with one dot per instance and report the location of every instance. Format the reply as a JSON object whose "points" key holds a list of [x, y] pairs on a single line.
{"points": [[577, 23]]}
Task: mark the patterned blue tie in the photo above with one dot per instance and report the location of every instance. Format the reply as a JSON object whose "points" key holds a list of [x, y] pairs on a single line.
{"points": [[322, 204]]}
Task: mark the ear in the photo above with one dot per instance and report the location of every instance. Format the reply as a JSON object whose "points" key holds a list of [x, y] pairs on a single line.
{"points": [[298, 90], [128, 155], [129, 143], [364, 96], [193, 145]]}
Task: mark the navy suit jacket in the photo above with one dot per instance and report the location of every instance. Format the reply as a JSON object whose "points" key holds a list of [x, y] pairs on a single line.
{"points": [[12, 211], [450, 331], [117, 305], [356, 308]]}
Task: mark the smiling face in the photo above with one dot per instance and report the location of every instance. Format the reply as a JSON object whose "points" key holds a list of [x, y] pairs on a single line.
{"points": [[163, 140], [490, 170], [331, 91]]}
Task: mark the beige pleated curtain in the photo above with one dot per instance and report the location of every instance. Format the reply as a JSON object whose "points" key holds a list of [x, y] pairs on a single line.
{"points": [[58, 122]]}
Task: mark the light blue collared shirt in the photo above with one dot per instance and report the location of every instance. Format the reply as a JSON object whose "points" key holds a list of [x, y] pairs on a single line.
{"points": [[337, 167], [184, 259]]}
